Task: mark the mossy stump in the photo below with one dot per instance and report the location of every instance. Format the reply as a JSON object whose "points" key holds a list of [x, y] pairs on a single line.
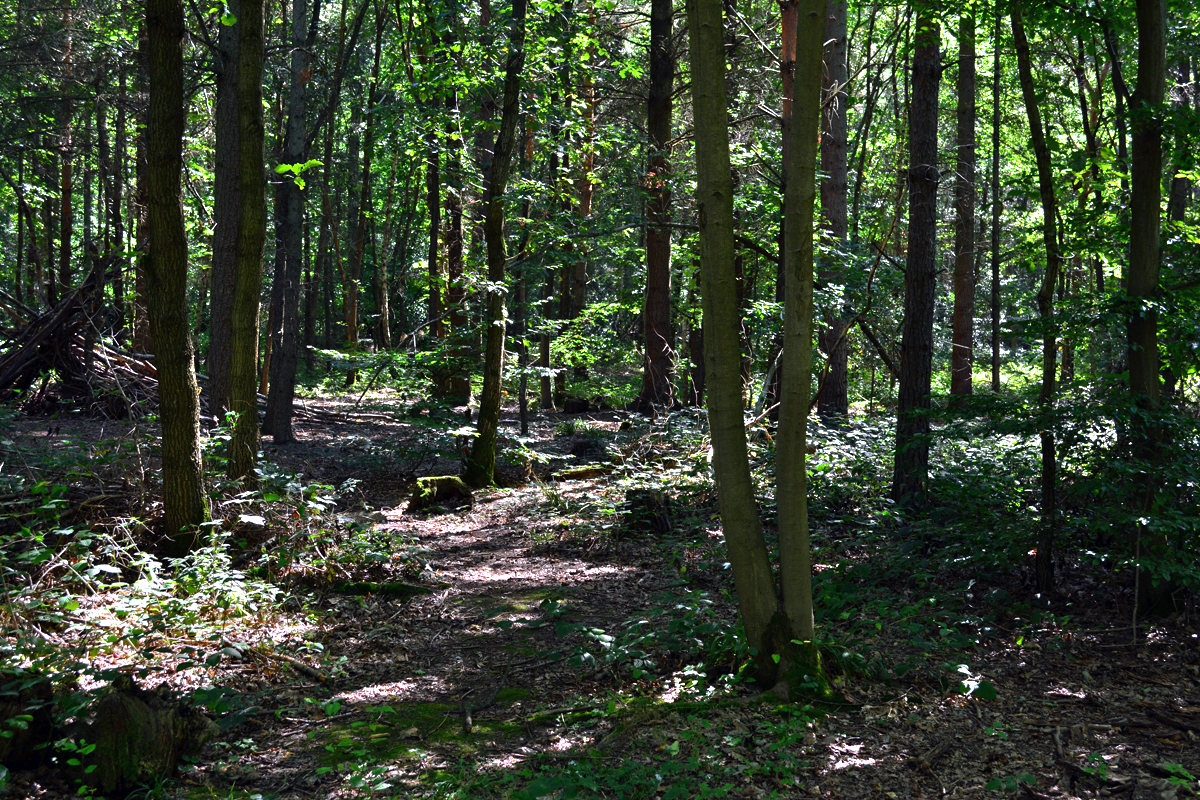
{"points": [[141, 736], [583, 473], [650, 512], [25, 719], [440, 490]]}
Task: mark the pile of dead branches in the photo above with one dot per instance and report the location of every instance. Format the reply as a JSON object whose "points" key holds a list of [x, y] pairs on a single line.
{"points": [[63, 342]]}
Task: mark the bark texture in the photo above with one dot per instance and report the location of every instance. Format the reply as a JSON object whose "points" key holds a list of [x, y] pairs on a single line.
{"points": [[481, 466], [659, 369], [1044, 567], [185, 504], [920, 277], [962, 356]]}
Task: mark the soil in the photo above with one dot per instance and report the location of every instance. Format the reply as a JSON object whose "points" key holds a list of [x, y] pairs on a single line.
{"points": [[477, 677]]}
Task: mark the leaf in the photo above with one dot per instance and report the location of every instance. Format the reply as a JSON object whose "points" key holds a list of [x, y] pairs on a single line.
{"points": [[985, 691], [228, 19]]}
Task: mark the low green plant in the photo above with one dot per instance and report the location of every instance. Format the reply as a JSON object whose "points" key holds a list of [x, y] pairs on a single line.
{"points": [[1096, 766], [1010, 783]]}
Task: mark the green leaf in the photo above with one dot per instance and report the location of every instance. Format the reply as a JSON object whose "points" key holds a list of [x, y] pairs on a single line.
{"points": [[985, 691], [228, 19]]}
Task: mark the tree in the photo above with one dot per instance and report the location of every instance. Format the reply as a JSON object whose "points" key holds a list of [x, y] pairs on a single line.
{"points": [[920, 275], [833, 401], [1044, 567], [771, 622], [963, 341], [1145, 252], [481, 467], [658, 370], [185, 504], [289, 228]]}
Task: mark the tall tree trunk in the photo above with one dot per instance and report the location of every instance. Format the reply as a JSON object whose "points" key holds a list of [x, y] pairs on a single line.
{"points": [[714, 199], [833, 403], [481, 466], [185, 504], [791, 492], [997, 205], [459, 334], [140, 338], [251, 235], [1181, 184], [1044, 566], [962, 356], [1145, 252], [658, 369], [118, 219], [227, 214], [290, 229], [921, 266]]}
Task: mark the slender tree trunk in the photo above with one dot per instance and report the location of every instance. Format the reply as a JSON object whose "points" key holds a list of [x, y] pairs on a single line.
{"points": [[481, 466], [1145, 253], [920, 276], [714, 198], [227, 213], [1044, 567], [185, 504], [658, 369], [459, 333], [1181, 184], [833, 403], [997, 205], [962, 357], [118, 219], [140, 338], [251, 235], [791, 493], [290, 228]]}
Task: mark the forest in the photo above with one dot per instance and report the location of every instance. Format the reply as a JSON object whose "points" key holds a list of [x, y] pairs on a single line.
{"points": [[599, 398]]}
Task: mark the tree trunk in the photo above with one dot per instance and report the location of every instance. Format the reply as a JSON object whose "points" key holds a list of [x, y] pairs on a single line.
{"points": [[997, 205], [1044, 567], [251, 234], [481, 466], [1145, 255], [185, 504], [658, 369], [290, 228], [962, 356], [833, 403], [791, 492], [1181, 184], [714, 199], [921, 266], [227, 213]]}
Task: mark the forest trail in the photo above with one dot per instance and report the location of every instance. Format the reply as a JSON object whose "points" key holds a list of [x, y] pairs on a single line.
{"points": [[531, 624]]}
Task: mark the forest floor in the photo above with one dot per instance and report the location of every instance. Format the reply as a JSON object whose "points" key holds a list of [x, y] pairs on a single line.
{"points": [[561, 648]]}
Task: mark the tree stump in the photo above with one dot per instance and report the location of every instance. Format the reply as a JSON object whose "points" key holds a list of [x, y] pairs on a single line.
{"points": [[443, 490], [141, 736], [650, 512]]}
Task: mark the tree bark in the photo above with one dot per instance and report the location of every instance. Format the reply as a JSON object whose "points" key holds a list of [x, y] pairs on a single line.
{"points": [[791, 493], [185, 504], [920, 276], [659, 368], [997, 205], [1044, 566], [714, 199], [227, 213], [833, 403], [962, 357], [1145, 253], [481, 466], [290, 230]]}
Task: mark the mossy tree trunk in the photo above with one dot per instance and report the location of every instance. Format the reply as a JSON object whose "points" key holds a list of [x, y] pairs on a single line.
{"points": [[481, 467], [185, 504]]}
